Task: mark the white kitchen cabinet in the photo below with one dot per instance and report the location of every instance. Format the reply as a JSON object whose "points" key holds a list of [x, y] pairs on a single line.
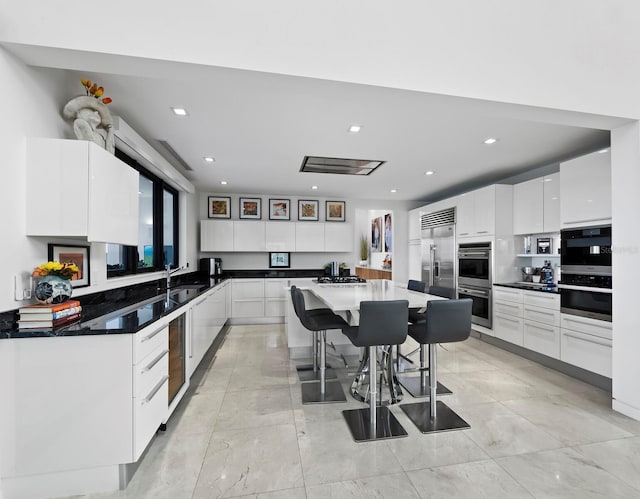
{"points": [[551, 203], [204, 327], [280, 236], [274, 297], [542, 338], [527, 207], [77, 189], [415, 260], [247, 298], [485, 212], [587, 343], [338, 237], [216, 235], [310, 236], [415, 224], [585, 190], [508, 328], [249, 236]]}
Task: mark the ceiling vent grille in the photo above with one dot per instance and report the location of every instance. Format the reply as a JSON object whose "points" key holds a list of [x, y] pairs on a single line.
{"points": [[175, 155], [339, 166], [438, 218]]}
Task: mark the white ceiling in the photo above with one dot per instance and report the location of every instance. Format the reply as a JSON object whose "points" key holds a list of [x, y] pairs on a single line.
{"points": [[259, 126]]}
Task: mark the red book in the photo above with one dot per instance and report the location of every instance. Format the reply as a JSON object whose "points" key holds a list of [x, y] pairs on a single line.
{"points": [[38, 309]]}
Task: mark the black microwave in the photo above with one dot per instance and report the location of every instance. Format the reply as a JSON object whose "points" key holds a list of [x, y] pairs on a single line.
{"points": [[586, 250]]}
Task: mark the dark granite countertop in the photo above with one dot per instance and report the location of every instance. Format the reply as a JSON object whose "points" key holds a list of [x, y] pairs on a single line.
{"points": [[529, 286], [274, 273]]}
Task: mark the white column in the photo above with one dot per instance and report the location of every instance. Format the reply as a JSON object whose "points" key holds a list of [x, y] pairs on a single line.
{"points": [[625, 191]]}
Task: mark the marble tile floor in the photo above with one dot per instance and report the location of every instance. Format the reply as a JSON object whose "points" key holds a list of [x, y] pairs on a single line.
{"points": [[242, 431]]}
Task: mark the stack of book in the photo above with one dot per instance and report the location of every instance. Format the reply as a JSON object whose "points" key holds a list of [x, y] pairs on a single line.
{"points": [[46, 316]]}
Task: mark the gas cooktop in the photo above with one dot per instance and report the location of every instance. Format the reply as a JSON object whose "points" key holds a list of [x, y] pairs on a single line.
{"points": [[349, 279]]}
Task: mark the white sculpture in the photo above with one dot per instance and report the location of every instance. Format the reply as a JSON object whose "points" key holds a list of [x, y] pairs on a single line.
{"points": [[92, 119]]}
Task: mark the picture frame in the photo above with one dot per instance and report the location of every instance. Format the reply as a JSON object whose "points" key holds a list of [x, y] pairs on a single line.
{"points": [[251, 208], [376, 235], [388, 234], [335, 211], [79, 255], [280, 260], [219, 207], [279, 209], [308, 210]]}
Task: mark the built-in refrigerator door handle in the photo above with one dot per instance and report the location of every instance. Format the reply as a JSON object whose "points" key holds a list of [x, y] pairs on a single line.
{"points": [[432, 251]]}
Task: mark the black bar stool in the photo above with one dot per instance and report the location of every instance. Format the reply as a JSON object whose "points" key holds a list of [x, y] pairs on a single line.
{"points": [[311, 372], [381, 323], [319, 392], [418, 386], [447, 321]]}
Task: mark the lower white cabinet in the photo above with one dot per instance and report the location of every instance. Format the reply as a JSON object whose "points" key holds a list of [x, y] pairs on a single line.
{"points": [[208, 315], [542, 338], [587, 343], [247, 298], [274, 297], [508, 328]]}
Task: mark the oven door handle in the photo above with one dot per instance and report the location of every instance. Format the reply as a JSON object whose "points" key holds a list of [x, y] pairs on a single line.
{"points": [[472, 292]]}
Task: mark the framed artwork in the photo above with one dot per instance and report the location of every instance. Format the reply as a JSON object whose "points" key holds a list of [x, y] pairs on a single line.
{"points": [[279, 209], [72, 254], [219, 207], [388, 234], [376, 235], [251, 208], [279, 260], [335, 211], [307, 209]]}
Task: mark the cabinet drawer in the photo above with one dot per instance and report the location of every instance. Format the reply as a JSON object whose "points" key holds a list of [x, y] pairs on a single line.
{"points": [[589, 352], [248, 308], [150, 371], [274, 288], [586, 325], [508, 308], [507, 294], [149, 411], [508, 328], [542, 338], [540, 299], [247, 288], [544, 315], [149, 340], [274, 307]]}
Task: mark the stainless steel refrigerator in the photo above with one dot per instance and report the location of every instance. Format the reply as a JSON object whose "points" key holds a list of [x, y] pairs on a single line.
{"points": [[439, 249]]}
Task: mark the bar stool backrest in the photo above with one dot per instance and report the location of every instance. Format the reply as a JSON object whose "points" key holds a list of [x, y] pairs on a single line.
{"points": [[297, 297], [417, 286], [447, 321], [441, 291], [383, 322]]}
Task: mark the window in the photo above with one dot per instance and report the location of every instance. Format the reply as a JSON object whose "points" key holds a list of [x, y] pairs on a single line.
{"points": [[157, 228]]}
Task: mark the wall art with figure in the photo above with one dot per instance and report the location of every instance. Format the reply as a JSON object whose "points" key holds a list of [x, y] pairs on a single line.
{"points": [[376, 235], [388, 235]]}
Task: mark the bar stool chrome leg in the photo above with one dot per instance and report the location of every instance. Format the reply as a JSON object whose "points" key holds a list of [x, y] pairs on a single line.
{"points": [[310, 372], [418, 386], [322, 392]]}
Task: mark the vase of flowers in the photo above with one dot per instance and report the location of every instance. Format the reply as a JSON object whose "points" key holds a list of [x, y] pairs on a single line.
{"points": [[53, 282]]}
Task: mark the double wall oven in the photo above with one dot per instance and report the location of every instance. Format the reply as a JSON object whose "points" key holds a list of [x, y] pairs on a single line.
{"points": [[585, 285], [474, 280]]}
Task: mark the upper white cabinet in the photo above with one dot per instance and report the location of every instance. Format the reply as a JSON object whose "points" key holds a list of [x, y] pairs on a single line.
{"points": [[77, 189], [249, 236], [216, 235], [309, 236], [536, 205], [415, 223], [338, 237], [280, 236], [585, 190], [485, 212]]}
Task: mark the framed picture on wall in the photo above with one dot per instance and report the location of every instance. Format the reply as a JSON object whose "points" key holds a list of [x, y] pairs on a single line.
{"points": [[388, 234], [335, 211], [219, 207], [251, 208], [79, 255], [308, 209], [376, 235], [279, 209]]}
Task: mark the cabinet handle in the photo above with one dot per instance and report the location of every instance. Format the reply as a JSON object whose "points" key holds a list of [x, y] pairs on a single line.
{"points": [[540, 327], [585, 323], [536, 311], [154, 362], [601, 343], [155, 333], [510, 320], [483, 232], [585, 220], [507, 305], [463, 233], [155, 390]]}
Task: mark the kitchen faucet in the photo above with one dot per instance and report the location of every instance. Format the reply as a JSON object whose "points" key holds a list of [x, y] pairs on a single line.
{"points": [[169, 272]]}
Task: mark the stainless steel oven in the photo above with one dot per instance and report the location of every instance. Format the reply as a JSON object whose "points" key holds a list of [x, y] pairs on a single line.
{"points": [[481, 311], [474, 265], [586, 251], [586, 296]]}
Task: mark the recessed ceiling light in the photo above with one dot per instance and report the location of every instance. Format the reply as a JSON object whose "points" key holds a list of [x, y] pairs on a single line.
{"points": [[601, 151], [209, 159], [355, 128], [314, 187], [491, 140], [223, 182], [429, 173], [179, 111], [394, 190]]}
